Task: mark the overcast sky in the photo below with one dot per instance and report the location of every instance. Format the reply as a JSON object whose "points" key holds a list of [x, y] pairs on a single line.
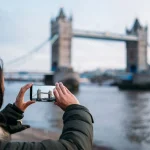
{"points": [[25, 24]]}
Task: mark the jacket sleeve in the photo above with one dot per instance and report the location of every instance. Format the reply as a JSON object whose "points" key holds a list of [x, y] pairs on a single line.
{"points": [[10, 118], [10, 114], [77, 133]]}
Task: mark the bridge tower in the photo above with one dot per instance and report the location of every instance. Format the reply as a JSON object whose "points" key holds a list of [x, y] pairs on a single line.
{"points": [[61, 49], [137, 51], [38, 94]]}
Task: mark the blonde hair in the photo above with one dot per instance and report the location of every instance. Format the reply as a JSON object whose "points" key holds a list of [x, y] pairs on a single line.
{"points": [[4, 135]]}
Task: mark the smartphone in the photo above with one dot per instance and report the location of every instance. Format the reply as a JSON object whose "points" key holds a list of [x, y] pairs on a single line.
{"points": [[42, 93]]}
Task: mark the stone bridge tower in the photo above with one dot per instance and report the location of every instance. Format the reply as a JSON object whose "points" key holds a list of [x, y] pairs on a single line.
{"points": [[137, 51], [61, 49]]}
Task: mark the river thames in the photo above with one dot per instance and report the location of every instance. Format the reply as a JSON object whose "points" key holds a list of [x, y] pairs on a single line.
{"points": [[122, 118]]}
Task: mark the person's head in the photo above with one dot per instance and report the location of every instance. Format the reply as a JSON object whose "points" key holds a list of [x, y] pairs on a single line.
{"points": [[1, 83], [4, 135]]}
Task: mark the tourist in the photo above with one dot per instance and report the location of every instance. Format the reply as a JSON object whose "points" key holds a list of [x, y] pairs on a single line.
{"points": [[77, 133]]}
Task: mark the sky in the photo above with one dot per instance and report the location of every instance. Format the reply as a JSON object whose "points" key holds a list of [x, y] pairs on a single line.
{"points": [[25, 24]]}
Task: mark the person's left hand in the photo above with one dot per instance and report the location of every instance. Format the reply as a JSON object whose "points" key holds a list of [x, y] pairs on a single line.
{"points": [[20, 98]]}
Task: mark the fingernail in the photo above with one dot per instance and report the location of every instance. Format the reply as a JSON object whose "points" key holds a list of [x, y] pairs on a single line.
{"points": [[60, 83], [56, 83]]}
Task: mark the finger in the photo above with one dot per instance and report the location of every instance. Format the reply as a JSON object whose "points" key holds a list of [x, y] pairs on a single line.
{"points": [[56, 94], [63, 89], [24, 89], [59, 90], [27, 104], [67, 90], [20, 91]]}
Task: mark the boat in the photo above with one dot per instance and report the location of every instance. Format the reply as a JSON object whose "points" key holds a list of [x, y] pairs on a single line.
{"points": [[138, 81]]}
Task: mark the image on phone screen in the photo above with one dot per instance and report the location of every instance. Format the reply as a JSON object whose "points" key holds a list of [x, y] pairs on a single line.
{"points": [[42, 93]]}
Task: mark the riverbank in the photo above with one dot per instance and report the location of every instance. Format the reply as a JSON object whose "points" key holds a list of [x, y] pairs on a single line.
{"points": [[36, 135]]}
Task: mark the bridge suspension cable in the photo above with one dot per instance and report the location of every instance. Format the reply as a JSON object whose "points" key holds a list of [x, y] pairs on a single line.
{"points": [[31, 52]]}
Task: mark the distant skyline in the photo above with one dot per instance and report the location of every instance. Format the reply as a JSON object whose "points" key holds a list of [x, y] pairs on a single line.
{"points": [[26, 24]]}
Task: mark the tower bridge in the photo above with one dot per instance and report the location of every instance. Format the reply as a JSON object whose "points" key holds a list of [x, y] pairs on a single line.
{"points": [[135, 39], [61, 40], [39, 95]]}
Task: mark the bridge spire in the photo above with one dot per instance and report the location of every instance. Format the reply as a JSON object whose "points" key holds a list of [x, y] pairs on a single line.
{"points": [[61, 14], [136, 25]]}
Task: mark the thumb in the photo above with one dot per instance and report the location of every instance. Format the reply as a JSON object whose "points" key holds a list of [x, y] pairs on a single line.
{"points": [[28, 103]]}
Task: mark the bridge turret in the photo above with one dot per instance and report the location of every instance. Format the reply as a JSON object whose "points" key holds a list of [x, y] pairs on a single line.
{"points": [[61, 14], [38, 94], [137, 51], [136, 26], [61, 49], [71, 18]]}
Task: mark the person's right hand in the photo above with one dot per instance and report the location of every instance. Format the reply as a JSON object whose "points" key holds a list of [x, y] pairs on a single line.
{"points": [[64, 97]]}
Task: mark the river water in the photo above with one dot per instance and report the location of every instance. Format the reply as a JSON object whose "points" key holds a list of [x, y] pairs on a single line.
{"points": [[122, 118]]}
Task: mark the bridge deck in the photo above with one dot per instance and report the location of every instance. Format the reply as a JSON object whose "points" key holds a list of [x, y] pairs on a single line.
{"points": [[103, 35]]}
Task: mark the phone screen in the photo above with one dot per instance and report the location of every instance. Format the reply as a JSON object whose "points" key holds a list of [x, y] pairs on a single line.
{"points": [[42, 93]]}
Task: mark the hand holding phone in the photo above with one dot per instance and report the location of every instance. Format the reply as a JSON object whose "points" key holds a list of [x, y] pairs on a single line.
{"points": [[42, 93]]}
